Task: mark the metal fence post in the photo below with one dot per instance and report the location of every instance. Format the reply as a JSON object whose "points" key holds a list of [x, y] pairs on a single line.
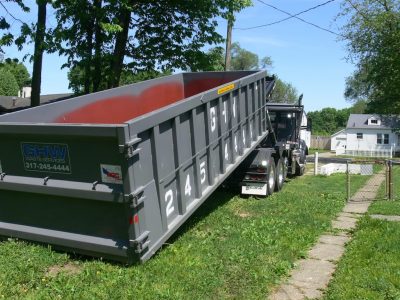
{"points": [[316, 163], [386, 179], [348, 180], [391, 180]]}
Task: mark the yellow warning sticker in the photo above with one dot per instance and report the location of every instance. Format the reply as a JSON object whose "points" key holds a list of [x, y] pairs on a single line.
{"points": [[226, 88]]}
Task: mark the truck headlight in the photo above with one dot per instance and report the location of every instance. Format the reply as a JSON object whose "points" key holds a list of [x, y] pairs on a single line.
{"points": [[264, 163]]}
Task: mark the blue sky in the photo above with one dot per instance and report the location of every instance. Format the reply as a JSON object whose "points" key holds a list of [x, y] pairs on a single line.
{"points": [[311, 59]]}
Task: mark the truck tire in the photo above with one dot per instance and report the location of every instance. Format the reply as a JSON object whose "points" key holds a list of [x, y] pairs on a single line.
{"points": [[286, 166], [300, 170], [280, 174], [271, 177]]}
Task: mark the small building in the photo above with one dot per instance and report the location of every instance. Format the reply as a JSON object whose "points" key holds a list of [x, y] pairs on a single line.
{"points": [[368, 135], [339, 141], [26, 92]]}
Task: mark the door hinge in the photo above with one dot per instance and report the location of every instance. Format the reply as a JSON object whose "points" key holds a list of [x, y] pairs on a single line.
{"points": [[136, 198], [129, 148], [141, 243]]}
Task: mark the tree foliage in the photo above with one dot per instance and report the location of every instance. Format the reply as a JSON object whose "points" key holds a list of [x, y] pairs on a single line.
{"points": [[7, 38], [243, 59], [8, 83], [106, 38], [18, 70], [284, 92], [330, 120], [373, 36]]}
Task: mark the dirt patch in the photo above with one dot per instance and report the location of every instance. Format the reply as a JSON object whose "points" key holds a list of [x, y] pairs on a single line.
{"points": [[244, 214], [68, 269]]}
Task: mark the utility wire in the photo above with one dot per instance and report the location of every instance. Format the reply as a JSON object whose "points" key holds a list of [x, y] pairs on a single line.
{"points": [[16, 19], [291, 16], [285, 19]]}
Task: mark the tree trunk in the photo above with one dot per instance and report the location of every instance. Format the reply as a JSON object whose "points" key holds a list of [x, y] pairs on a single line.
{"points": [[89, 45], [120, 47], [228, 44], [38, 53], [97, 48]]}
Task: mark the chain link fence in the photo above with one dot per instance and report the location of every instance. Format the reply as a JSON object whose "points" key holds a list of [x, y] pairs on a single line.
{"points": [[392, 188], [365, 180]]}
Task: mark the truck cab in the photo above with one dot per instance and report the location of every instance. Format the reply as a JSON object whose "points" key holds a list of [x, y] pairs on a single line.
{"points": [[282, 153]]}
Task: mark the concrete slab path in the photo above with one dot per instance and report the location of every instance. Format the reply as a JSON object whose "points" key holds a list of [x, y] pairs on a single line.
{"points": [[313, 274], [386, 218]]}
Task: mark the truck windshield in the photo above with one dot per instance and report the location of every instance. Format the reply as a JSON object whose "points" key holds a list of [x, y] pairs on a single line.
{"points": [[284, 124]]}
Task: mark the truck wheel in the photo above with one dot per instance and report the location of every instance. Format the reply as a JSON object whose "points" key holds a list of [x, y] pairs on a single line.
{"points": [[271, 180], [300, 170], [285, 166], [280, 175]]}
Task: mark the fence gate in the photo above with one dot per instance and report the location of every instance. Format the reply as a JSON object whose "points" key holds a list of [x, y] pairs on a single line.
{"points": [[360, 188]]}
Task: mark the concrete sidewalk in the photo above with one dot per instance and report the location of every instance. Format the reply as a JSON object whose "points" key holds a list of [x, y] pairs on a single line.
{"points": [[313, 274]]}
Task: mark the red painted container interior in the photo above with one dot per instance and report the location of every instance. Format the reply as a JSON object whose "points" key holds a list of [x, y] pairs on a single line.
{"points": [[119, 109]]}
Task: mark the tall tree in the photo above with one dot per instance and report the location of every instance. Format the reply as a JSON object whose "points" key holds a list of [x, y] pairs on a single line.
{"points": [[234, 6], [19, 71], [137, 35], [284, 92], [38, 52], [8, 84], [373, 36], [243, 59], [328, 120]]}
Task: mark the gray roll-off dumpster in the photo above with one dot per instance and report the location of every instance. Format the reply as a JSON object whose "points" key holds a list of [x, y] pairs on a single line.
{"points": [[114, 174]]}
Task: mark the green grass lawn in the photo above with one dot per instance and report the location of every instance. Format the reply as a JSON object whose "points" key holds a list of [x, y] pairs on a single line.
{"points": [[388, 207], [230, 248], [370, 268]]}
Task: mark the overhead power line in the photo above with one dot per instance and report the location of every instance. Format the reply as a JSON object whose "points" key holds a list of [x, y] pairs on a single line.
{"points": [[288, 18], [11, 15], [291, 16]]}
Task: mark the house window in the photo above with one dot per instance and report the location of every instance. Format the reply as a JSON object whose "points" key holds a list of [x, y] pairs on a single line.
{"points": [[359, 136], [382, 138], [375, 122], [386, 139]]}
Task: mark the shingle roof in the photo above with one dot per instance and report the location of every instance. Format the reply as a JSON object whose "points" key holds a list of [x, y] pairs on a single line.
{"points": [[7, 104], [339, 132], [361, 121]]}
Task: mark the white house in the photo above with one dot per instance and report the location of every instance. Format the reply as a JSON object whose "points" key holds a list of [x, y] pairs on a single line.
{"points": [[368, 135]]}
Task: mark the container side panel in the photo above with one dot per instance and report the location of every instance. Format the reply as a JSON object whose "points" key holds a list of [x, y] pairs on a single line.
{"points": [[72, 158], [72, 215]]}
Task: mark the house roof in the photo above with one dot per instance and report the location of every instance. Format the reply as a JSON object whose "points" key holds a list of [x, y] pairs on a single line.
{"points": [[339, 132], [9, 104], [361, 121]]}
